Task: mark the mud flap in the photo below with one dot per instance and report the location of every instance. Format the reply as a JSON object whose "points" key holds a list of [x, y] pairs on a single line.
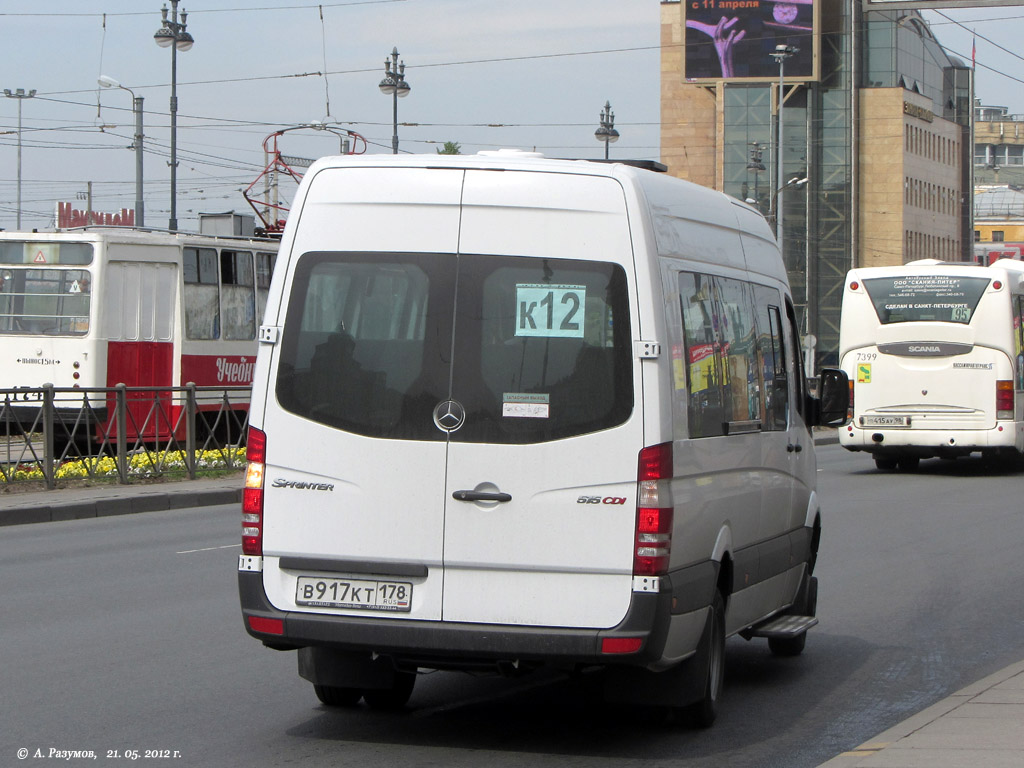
{"points": [[676, 686], [340, 669]]}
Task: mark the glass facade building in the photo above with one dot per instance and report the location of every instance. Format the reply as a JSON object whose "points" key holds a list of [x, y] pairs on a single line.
{"points": [[863, 154]]}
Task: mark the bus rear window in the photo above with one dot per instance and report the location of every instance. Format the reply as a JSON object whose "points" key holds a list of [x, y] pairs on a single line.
{"points": [[925, 298], [51, 302]]}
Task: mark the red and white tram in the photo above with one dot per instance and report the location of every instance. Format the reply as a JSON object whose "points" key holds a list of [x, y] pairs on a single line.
{"points": [[102, 306]]}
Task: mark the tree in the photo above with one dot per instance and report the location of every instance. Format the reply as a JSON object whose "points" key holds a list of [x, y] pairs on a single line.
{"points": [[450, 148]]}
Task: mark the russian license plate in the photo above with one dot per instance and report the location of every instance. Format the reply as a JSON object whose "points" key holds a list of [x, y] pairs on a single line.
{"points": [[365, 594], [885, 421]]}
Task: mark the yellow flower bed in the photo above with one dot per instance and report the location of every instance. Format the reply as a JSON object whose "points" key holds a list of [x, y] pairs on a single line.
{"points": [[145, 464]]}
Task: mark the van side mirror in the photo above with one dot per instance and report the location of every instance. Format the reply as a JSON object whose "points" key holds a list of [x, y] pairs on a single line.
{"points": [[833, 398]]}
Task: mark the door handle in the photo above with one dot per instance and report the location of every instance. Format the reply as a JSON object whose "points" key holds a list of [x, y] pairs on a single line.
{"points": [[794, 447], [481, 496]]}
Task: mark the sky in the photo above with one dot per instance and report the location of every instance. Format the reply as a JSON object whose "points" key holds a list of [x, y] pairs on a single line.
{"points": [[533, 74]]}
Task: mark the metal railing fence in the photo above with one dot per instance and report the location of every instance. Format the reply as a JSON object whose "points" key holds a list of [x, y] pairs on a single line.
{"points": [[53, 434]]}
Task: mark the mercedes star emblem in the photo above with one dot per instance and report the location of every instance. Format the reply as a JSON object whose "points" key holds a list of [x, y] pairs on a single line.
{"points": [[449, 415]]}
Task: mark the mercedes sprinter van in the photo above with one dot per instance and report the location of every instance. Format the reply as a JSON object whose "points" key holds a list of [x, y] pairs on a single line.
{"points": [[513, 412]]}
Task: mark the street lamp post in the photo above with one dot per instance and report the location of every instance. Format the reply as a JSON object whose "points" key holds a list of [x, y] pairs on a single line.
{"points": [[20, 95], [607, 132], [781, 53], [140, 212], [394, 85], [754, 164], [172, 34], [773, 209]]}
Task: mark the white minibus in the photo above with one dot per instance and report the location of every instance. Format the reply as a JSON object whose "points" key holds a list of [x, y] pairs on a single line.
{"points": [[933, 354], [512, 412]]}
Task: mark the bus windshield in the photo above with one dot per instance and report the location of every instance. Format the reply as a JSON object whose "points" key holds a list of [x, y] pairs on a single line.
{"points": [[925, 298], [47, 301]]}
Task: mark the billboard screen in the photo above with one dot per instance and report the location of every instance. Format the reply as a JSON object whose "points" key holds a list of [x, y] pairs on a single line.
{"points": [[877, 5], [733, 39]]}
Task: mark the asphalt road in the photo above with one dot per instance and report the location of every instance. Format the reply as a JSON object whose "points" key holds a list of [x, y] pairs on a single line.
{"points": [[122, 635]]}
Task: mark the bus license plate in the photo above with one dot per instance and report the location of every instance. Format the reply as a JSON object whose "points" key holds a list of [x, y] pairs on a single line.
{"points": [[885, 421], [364, 594]]}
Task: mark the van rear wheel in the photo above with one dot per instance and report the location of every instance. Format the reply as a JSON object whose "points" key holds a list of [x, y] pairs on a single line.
{"points": [[702, 713], [337, 696]]}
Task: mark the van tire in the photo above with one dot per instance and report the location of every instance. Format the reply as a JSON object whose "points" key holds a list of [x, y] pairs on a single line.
{"points": [[393, 698], [702, 713], [336, 696]]}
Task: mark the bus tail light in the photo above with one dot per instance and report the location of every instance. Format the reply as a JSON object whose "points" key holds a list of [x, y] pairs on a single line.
{"points": [[849, 408], [653, 512], [1004, 400], [252, 493]]}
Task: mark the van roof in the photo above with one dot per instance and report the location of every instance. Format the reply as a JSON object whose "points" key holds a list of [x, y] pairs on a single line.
{"points": [[675, 204]]}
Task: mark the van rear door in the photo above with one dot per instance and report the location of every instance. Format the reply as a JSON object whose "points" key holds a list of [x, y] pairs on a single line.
{"points": [[355, 472], [541, 482]]}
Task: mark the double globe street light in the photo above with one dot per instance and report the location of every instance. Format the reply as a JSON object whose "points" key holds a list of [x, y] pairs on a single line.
{"points": [[607, 132], [394, 85], [172, 34]]}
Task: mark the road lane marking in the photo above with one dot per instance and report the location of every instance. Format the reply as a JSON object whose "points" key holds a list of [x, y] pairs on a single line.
{"points": [[208, 549]]}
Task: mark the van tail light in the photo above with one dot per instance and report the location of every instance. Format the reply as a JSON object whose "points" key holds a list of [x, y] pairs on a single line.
{"points": [[1004, 400], [252, 493], [619, 645], [653, 512]]}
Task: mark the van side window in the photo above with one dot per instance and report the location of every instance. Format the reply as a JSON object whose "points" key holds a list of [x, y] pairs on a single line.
{"points": [[704, 364], [771, 357], [202, 293], [736, 324], [735, 363], [795, 361]]}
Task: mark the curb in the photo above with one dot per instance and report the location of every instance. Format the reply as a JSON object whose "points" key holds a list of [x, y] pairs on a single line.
{"points": [[114, 503]]}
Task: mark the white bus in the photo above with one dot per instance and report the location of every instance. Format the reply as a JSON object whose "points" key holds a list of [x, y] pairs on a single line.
{"points": [[101, 306], [933, 354]]}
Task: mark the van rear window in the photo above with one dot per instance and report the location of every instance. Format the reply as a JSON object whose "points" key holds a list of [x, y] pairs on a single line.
{"points": [[532, 349], [925, 298]]}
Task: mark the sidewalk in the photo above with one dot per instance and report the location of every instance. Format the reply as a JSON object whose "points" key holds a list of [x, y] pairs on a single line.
{"points": [[977, 727], [19, 508]]}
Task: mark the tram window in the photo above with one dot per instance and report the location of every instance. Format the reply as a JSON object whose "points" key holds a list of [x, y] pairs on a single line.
{"points": [[238, 308], [264, 269], [202, 294]]}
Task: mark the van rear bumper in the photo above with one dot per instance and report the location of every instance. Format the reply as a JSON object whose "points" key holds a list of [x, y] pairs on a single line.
{"points": [[452, 645]]}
